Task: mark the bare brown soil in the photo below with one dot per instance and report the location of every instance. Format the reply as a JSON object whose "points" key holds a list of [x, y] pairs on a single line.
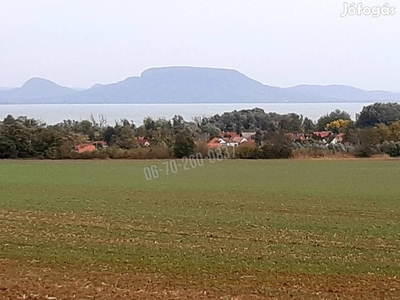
{"points": [[33, 280]]}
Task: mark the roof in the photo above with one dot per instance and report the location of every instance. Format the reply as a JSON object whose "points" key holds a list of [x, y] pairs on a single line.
{"points": [[231, 134], [143, 141], [91, 146], [248, 134], [322, 134], [239, 139], [215, 142], [86, 148]]}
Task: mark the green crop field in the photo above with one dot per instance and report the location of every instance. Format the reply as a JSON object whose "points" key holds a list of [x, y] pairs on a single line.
{"points": [[236, 229]]}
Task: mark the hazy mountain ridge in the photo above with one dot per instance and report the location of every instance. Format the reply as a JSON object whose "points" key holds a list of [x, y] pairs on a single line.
{"points": [[36, 90], [188, 85], [3, 88]]}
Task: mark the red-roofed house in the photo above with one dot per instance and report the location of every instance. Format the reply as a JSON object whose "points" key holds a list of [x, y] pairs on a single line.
{"points": [[239, 140], [229, 134], [322, 134], [216, 143], [143, 142], [85, 148], [91, 146], [338, 138]]}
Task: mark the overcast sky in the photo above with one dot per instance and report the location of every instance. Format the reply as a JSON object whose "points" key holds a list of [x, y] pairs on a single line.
{"points": [[78, 43]]}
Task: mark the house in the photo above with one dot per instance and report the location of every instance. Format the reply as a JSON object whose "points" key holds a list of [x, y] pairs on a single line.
{"points": [[320, 135], [85, 148], [216, 143], [239, 140], [338, 138], [226, 142], [229, 134], [220, 142], [341, 137], [91, 146], [249, 135], [143, 142], [328, 137]]}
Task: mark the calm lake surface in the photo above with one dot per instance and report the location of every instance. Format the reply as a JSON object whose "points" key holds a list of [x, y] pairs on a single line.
{"points": [[54, 113]]}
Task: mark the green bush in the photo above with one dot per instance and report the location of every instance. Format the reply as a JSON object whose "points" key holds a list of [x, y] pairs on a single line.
{"points": [[247, 151], [276, 151], [7, 148], [363, 151], [184, 144], [201, 148], [391, 148]]}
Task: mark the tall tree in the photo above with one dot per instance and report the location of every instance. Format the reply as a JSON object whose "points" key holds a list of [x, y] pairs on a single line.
{"points": [[386, 113], [184, 144], [332, 116]]}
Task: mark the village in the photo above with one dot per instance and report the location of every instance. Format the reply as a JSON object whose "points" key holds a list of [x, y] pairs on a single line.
{"points": [[234, 139]]}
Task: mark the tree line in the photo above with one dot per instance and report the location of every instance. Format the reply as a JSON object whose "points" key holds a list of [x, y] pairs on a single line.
{"points": [[376, 129]]}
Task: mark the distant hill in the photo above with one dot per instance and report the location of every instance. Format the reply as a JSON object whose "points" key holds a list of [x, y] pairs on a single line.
{"points": [[36, 90], [5, 88], [339, 93], [190, 85]]}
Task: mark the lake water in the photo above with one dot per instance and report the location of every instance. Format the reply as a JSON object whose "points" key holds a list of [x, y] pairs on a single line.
{"points": [[54, 113]]}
